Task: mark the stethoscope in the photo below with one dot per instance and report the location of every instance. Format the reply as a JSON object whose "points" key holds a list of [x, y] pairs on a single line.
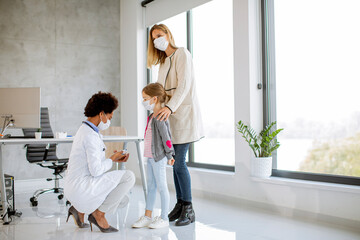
{"points": [[89, 125], [104, 148]]}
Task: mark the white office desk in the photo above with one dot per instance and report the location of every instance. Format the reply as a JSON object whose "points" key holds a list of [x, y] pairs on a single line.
{"points": [[20, 141]]}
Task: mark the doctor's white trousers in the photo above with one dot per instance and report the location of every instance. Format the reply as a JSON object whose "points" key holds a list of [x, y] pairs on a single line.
{"points": [[113, 200]]}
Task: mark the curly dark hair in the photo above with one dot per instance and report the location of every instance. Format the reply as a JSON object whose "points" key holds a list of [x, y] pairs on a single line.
{"points": [[101, 102]]}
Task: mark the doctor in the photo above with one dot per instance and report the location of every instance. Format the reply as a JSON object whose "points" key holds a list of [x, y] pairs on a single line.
{"points": [[88, 185]]}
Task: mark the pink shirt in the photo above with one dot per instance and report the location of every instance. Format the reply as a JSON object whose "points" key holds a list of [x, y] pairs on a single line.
{"points": [[148, 140]]}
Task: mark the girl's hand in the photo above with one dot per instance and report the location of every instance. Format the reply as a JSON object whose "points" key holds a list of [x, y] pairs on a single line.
{"points": [[171, 162], [163, 114]]}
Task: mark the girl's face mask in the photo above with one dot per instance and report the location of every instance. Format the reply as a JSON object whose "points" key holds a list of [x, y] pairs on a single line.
{"points": [[148, 106]]}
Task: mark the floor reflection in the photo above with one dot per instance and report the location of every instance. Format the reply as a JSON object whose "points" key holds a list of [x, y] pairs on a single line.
{"points": [[213, 221]]}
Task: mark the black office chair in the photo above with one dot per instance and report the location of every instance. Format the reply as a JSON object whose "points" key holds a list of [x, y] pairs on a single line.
{"points": [[44, 155]]}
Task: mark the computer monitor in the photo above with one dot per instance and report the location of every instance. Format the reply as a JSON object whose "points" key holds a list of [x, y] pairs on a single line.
{"points": [[20, 107]]}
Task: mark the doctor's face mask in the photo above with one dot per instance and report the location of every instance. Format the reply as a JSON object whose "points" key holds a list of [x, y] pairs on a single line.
{"points": [[102, 125]]}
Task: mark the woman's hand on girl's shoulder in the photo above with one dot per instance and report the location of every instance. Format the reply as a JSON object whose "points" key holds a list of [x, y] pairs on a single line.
{"points": [[163, 114], [171, 162]]}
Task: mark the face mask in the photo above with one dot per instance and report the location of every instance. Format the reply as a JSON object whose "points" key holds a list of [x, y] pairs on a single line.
{"points": [[102, 125], [148, 106], [161, 43]]}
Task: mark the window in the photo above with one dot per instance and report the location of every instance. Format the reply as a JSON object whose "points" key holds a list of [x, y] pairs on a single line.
{"points": [[213, 62], [212, 40], [311, 54]]}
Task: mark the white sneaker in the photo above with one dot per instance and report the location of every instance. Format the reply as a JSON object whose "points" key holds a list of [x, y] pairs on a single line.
{"points": [[159, 223], [142, 222]]}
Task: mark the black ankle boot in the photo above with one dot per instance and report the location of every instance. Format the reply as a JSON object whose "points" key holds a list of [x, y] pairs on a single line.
{"points": [[175, 213], [187, 216]]}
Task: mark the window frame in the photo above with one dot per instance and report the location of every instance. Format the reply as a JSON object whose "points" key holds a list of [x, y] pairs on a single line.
{"points": [[269, 99], [191, 153]]}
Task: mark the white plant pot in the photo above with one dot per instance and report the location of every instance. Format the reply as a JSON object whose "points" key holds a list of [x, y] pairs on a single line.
{"points": [[38, 135], [261, 167]]}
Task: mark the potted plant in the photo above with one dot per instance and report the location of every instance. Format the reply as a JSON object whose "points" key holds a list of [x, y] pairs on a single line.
{"points": [[262, 145], [38, 133]]}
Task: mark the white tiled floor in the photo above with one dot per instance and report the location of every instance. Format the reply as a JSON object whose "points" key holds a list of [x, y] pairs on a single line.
{"points": [[213, 221]]}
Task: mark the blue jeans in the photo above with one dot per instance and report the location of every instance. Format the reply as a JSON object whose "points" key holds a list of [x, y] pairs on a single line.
{"points": [[181, 173], [156, 179]]}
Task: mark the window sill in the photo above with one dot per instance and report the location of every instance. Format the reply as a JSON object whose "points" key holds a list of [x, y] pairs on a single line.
{"points": [[211, 171], [206, 171], [203, 170], [309, 184]]}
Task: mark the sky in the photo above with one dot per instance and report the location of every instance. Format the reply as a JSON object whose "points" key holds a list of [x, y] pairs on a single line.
{"points": [[317, 59]]}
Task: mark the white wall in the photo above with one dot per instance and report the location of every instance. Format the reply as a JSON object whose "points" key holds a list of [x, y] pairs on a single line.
{"points": [[329, 202], [132, 72]]}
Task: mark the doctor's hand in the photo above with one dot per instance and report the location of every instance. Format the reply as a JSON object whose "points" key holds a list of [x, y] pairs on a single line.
{"points": [[120, 157], [163, 114]]}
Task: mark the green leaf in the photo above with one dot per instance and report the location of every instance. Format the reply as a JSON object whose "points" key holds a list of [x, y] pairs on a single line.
{"points": [[263, 144]]}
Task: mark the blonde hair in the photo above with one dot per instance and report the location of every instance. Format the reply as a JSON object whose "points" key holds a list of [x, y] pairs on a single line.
{"points": [[155, 56], [156, 90]]}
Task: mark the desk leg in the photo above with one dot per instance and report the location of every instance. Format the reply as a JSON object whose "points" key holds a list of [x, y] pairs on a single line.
{"points": [[142, 171], [122, 165], [3, 192]]}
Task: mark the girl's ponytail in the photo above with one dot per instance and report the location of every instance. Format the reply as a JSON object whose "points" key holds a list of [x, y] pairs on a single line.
{"points": [[167, 97]]}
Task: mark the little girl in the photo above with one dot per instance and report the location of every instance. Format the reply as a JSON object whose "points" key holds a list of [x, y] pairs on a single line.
{"points": [[159, 151]]}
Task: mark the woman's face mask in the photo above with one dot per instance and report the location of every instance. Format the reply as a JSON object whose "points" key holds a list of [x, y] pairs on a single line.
{"points": [[161, 43], [102, 125]]}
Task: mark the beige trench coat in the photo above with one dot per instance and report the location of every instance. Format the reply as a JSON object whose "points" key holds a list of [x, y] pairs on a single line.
{"points": [[176, 74]]}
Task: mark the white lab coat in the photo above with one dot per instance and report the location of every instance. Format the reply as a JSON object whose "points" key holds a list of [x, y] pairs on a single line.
{"points": [[87, 182]]}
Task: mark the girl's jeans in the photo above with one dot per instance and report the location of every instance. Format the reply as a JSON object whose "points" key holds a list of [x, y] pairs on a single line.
{"points": [[156, 179]]}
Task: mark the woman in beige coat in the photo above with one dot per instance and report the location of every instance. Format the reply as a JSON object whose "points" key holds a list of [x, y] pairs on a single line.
{"points": [[176, 74]]}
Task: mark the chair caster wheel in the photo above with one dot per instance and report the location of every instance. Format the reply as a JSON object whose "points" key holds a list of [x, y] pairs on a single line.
{"points": [[68, 203], [33, 201], [60, 196]]}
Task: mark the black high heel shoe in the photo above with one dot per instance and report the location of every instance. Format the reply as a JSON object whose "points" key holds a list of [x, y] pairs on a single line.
{"points": [[72, 211], [92, 220]]}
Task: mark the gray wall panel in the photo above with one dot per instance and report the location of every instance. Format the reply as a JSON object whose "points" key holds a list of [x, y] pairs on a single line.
{"points": [[68, 48]]}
